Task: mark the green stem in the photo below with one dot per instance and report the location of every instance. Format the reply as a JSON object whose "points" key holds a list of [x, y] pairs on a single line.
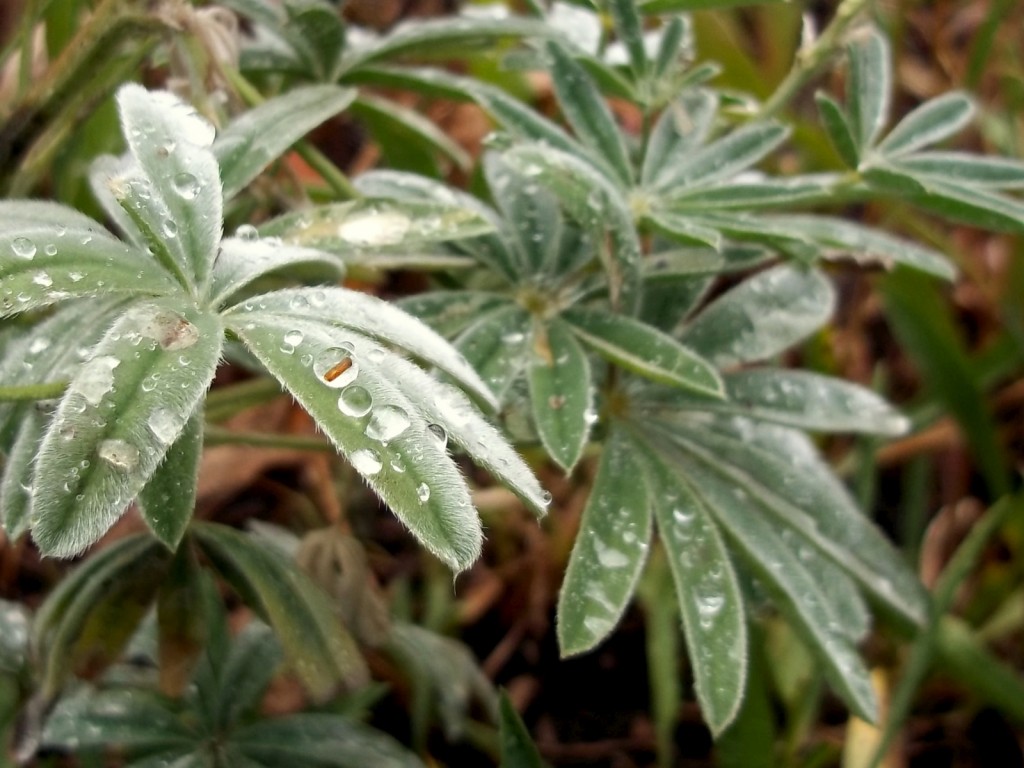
{"points": [[23, 392], [215, 435], [319, 162], [810, 59], [224, 402]]}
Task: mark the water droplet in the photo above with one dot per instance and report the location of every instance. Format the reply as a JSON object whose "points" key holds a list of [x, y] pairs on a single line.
{"points": [[366, 461], [163, 425], [439, 434], [423, 492], [247, 232], [545, 496], [74, 277], [609, 557], [186, 185], [355, 401], [119, 454], [39, 345], [96, 378], [336, 367], [556, 402], [50, 249], [170, 228], [291, 340], [372, 228], [170, 330], [42, 279], [387, 423], [23, 247]]}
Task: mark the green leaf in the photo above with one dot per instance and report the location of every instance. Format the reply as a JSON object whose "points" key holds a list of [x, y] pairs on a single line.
{"points": [[496, 346], [976, 206], [169, 498], [532, 214], [172, 145], [561, 392], [645, 350], [262, 134], [84, 624], [183, 620], [810, 401], [588, 113], [930, 123], [137, 721], [629, 27], [317, 34], [16, 484], [682, 127], [596, 204], [782, 469], [372, 317], [722, 159], [121, 413], [682, 228], [930, 336], [43, 263], [449, 312], [710, 600], [752, 195], [369, 224], [319, 648], [517, 748], [870, 86], [447, 407], [407, 125], [609, 552], [321, 740], [762, 316], [837, 125], [488, 248], [794, 589], [412, 471], [967, 169], [243, 260], [651, 7]]}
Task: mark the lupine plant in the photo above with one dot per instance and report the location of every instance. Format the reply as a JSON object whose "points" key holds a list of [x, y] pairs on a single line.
{"points": [[623, 298]]}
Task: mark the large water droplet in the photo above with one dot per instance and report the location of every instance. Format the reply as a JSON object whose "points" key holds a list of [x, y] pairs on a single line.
{"points": [[366, 462], [386, 228], [355, 401], [119, 454], [170, 330], [291, 340], [247, 232], [423, 493], [387, 423], [439, 434], [96, 378], [336, 367], [42, 279], [163, 425], [23, 248], [186, 185]]}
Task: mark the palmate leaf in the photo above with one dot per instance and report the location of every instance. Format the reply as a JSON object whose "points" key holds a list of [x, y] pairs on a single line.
{"points": [[122, 411], [333, 372], [609, 552], [682, 127], [449, 312], [497, 346], [318, 646], [710, 601], [47, 257], [561, 392], [172, 145]]}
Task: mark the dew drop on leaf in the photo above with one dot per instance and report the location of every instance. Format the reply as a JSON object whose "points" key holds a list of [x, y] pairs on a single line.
{"points": [[170, 330], [119, 454], [423, 493], [23, 248], [96, 378], [163, 425], [336, 367], [387, 423], [366, 461], [387, 228], [291, 340], [170, 228], [186, 185], [355, 401], [439, 434], [42, 279], [50, 249], [247, 232]]}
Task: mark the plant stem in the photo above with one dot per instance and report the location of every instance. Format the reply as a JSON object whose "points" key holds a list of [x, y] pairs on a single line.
{"points": [[224, 402], [215, 435], [316, 160], [23, 392], [810, 59]]}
